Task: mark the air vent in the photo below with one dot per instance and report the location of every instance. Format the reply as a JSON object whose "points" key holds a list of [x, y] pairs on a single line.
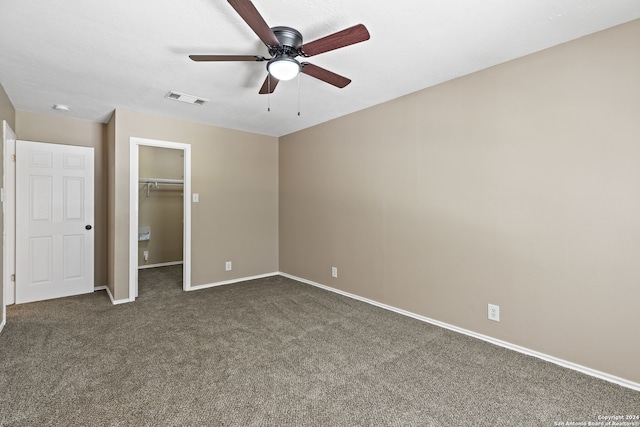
{"points": [[183, 97]]}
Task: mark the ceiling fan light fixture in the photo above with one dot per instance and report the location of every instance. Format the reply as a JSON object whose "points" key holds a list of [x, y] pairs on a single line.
{"points": [[283, 68]]}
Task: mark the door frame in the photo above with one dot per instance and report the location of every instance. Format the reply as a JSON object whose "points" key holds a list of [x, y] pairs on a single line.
{"points": [[8, 195], [134, 145]]}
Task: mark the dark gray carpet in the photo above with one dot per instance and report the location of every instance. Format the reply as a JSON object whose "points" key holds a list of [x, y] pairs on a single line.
{"points": [[271, 352]]}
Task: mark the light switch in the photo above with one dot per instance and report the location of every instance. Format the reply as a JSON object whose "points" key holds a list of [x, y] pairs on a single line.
{"points": [[196, 197]]}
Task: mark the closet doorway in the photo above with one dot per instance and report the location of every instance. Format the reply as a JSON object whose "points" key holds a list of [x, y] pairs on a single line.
{"points": [[160, 214]]}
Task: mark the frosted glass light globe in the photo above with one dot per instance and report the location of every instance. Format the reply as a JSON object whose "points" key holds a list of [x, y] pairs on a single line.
{"points": [[283, 68]]}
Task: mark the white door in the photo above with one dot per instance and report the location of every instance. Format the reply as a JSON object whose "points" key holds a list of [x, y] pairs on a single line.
{"points": [[54, 221]]}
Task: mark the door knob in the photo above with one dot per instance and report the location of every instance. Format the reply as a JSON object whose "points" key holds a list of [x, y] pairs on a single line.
{"points": [[88, 227]]}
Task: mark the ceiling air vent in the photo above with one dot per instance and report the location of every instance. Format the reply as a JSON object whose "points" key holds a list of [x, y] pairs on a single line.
{"points": [[183, 97]]}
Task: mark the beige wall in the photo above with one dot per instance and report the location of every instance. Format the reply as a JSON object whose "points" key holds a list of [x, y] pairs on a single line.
{"points": [[161, 208], [236, 176], [63, 130], [518, 186], [8, 113]]}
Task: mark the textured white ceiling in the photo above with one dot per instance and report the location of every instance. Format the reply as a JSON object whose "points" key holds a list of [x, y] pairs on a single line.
{"points": [[97, 55]]}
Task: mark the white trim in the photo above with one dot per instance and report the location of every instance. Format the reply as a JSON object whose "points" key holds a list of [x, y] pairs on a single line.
{"points": [[229, 282], [115, 301], [9, 206], [133, 219], [162, 264], [100, 288], [134, 144], [564, 363], [8, 286]]}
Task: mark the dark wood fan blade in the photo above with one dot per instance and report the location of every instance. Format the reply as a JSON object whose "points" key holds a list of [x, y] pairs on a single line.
{"points": [[325, 75], [252, 17], [269, 85], [227, 58], [352, 35]]}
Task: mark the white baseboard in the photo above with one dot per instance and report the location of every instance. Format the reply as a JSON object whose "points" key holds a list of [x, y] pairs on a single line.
{"points": [[229, 282], [100, 288], [564, 363], [115, 301], [162, 264], [4, 322]]}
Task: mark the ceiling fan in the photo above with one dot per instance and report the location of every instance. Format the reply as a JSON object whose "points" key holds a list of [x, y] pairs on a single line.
{"points": [[285, 45]]}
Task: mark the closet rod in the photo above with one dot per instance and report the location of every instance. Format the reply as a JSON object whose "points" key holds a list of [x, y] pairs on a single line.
{"points": [[161, 181]]}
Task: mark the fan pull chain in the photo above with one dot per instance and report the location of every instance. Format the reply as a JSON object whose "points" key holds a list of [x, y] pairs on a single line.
{"points": [[269, 92], [298, 94]]}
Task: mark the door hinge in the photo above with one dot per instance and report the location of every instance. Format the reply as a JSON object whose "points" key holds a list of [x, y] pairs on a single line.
{"points": [[13, 277], [14, 157]]}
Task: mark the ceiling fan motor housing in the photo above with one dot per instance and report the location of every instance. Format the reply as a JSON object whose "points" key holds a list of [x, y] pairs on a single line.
{"points": [[290, 42]]}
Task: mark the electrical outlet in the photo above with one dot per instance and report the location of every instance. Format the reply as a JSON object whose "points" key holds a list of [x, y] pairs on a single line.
{"points": [[334, 271], [145, 254], [494, 312], [227, 266]]}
